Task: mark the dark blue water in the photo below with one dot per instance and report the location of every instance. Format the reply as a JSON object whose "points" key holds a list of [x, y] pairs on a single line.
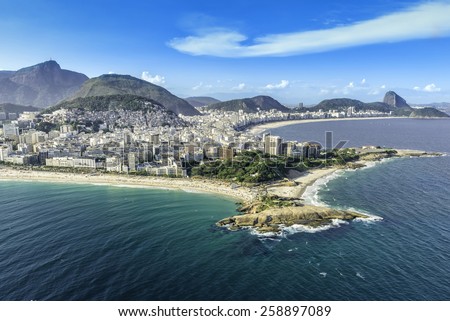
{"points": [[84, 242]]}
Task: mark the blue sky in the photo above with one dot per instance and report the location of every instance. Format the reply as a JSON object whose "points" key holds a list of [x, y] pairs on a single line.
{"points": [[295, 51]]}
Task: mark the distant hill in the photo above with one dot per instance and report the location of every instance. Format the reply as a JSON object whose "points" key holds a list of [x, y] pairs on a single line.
{"points": [[392, 102], [249, 105], [427, 112], [344, 103], [201, 101], [104, 103], [41, 85], [160, 114], [127, 85], [11, 108]]}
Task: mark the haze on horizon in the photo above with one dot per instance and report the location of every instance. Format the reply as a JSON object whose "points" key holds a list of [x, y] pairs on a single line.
{"points": [[294, 52]]}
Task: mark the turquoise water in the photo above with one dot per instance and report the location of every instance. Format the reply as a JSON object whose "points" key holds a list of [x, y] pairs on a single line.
{"points": [[86, 242]]}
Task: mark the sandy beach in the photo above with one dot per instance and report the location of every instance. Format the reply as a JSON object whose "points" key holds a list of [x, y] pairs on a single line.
{"points": [[238, 193], [258, 129], [303, 180], [295, 187]]}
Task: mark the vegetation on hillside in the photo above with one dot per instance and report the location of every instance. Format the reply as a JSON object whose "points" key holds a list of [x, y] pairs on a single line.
{"points": [[106, 85], [107, 103], [249, 105], [257, 167], [428, 112]]}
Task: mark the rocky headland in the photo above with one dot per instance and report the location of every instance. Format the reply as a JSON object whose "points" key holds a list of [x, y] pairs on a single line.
{"points": [[272, 220], [280, 204]]}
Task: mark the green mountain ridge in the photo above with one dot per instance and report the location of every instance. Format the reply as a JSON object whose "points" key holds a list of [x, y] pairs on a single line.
{"points": [[12, 108], [428, 112], [249, 105], [201, 101], [107, 102], [160, 115], [106, 85], [392, 102]]}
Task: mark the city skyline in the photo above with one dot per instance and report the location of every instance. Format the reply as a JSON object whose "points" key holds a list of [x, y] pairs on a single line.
{"points": [[295, 52]]}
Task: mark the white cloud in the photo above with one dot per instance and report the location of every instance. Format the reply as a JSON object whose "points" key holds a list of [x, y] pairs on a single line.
{"points": [[157, 79], [383, 87], [241, 86], [350, 85], [430, 21], [431, 88], [363, 81], [197, 87], [111, 73], [281, 85]]}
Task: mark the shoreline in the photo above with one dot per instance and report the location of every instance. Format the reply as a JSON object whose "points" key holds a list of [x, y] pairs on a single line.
{"points": [[260, 128], [301, 180], [204, 186]]}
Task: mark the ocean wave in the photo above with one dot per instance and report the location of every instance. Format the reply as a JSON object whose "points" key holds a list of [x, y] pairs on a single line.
{"points": [[299, 228], [311, 194]]}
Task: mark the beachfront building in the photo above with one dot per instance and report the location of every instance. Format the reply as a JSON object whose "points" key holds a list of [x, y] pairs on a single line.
{"points": [[311, 149], [272, 144], [74, 162]]}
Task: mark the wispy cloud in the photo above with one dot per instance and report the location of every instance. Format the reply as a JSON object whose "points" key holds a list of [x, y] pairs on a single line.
{"points": [[241, 86], [282, 84], [157, 79], [201, 85], [429, 20], [431, 88]]}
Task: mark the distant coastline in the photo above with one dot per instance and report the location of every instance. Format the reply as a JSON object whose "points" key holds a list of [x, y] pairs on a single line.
{"points": [[260, 128]]}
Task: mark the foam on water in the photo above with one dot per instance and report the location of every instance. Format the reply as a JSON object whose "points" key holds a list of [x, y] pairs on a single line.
{"points": [[299, 228], [311, 194]]}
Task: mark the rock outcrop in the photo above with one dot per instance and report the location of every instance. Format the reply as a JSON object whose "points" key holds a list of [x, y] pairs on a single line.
{"points": [[271, 220], [392, 99]]}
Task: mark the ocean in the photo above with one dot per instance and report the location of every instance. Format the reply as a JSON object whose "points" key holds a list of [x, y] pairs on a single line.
{"points": [[96, 242]]}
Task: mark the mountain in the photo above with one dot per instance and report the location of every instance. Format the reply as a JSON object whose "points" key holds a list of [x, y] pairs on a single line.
{"points": [[344, 103], [106, 85], [249, 105], [392, 103], [15, 109], [155, 113], [201, 101], [41, 85], [394, 100], [427, 112]]}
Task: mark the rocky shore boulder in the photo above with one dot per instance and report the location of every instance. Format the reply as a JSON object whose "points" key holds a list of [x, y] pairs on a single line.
{"points": [[272, 219]]}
